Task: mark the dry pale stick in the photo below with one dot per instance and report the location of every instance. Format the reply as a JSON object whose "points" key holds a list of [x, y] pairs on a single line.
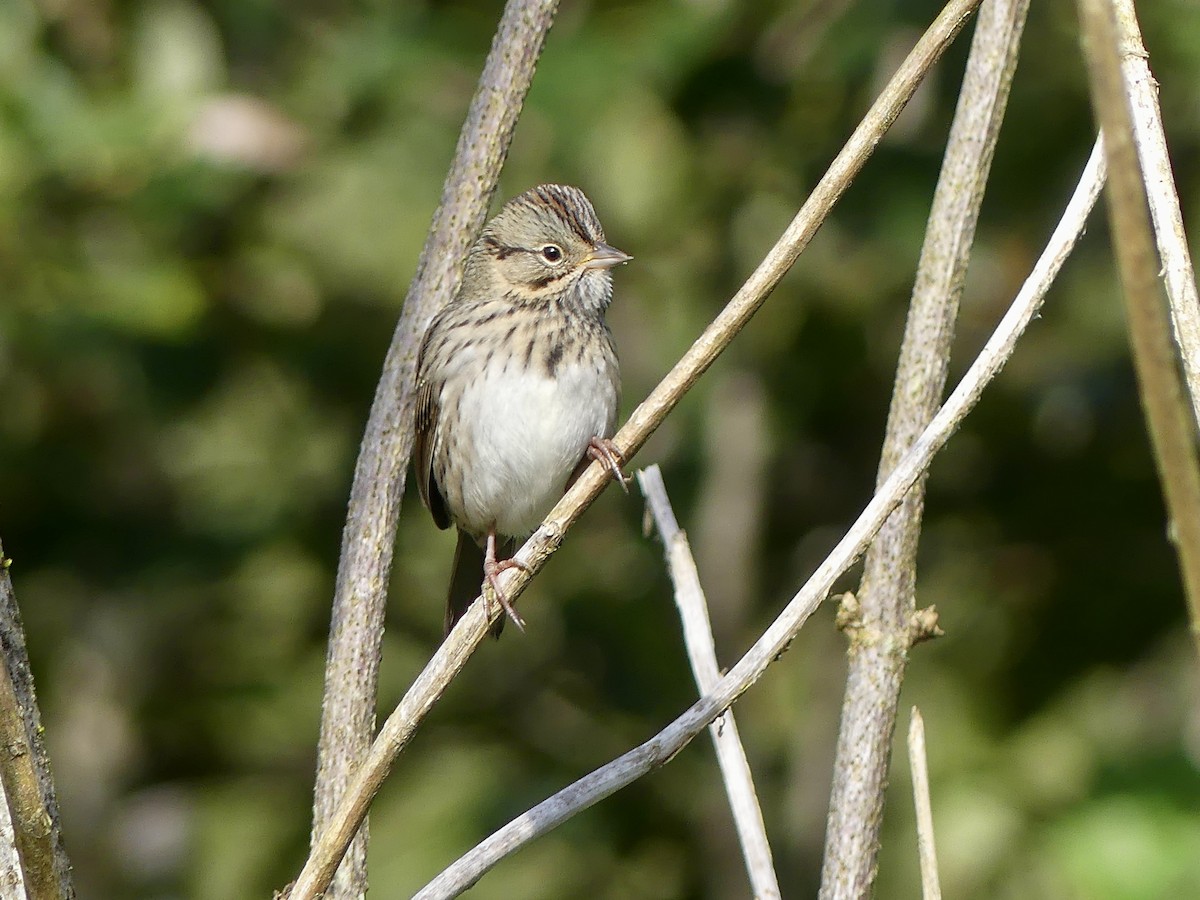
{"points": [[473, 627], [360, 594], [702, 653], [1179, 276], [884, 629], [931, 887], [1155, 361], [659, 750]]}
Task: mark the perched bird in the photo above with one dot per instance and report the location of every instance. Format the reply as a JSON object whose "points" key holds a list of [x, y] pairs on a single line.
{"points": [[517, 383]]}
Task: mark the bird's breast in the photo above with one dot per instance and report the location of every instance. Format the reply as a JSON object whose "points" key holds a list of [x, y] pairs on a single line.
{"points": [[523, 432]]}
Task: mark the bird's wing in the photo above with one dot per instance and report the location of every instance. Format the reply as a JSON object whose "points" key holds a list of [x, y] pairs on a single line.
{"points": [[429, 390]]}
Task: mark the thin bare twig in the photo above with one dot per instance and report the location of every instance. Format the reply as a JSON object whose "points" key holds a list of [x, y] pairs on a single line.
{"points": [[1155, 361], [698, 638], [883, 633], [1180, 277], [24, 763], [356, 629], [931, 887], [473, 626], [663, 746]]}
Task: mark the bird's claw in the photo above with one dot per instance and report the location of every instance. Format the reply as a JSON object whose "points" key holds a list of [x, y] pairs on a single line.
{"points": [[606, 452], [491, 572]]}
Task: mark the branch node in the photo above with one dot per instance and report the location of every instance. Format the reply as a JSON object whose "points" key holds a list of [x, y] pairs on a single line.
{"points": [[925, 625], [546, 540], [849, 615]]}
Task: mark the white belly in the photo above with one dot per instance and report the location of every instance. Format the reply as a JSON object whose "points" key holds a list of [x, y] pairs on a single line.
{"points": [[527, 434]]}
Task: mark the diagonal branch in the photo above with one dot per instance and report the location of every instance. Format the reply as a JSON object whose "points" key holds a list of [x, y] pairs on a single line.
{"points": [[472, 627], [356, 629], [882, 634], [698, 637], [1168, 418], [1179, 276], [660, 749]]}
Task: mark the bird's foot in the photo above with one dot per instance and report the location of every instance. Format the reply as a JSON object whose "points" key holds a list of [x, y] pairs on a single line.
{"points": [[492, 568], [605, 451]]}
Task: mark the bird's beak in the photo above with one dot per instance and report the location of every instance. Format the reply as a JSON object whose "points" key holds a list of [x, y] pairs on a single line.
{"points": [[604, 256]]}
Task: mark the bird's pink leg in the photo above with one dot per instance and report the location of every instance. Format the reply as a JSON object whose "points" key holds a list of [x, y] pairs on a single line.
{"points": [[605, 451], [492, 568]]}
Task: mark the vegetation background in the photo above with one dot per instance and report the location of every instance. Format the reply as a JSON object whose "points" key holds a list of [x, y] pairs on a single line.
{"points": [[209, 213]]}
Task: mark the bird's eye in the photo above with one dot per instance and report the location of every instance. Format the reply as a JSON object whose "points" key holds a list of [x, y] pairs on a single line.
{"points": [[552, 253]]}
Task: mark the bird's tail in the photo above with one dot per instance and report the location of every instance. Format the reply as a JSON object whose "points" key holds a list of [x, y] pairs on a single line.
{"points": [[466, 581]]}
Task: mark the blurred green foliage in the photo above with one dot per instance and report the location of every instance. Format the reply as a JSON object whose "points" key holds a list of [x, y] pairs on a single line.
{"points": [[209, 213]]}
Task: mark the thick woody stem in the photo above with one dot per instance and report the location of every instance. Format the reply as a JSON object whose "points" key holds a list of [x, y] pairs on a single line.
{"points": [[356, 629], [25, 765], [883, 634]]}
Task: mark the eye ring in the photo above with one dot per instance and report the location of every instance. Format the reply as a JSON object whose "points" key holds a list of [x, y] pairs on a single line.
{"points": [[552, 253]]}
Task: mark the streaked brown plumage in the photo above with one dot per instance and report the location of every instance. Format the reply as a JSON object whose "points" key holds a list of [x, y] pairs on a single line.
{"points": [[517, 382]]}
